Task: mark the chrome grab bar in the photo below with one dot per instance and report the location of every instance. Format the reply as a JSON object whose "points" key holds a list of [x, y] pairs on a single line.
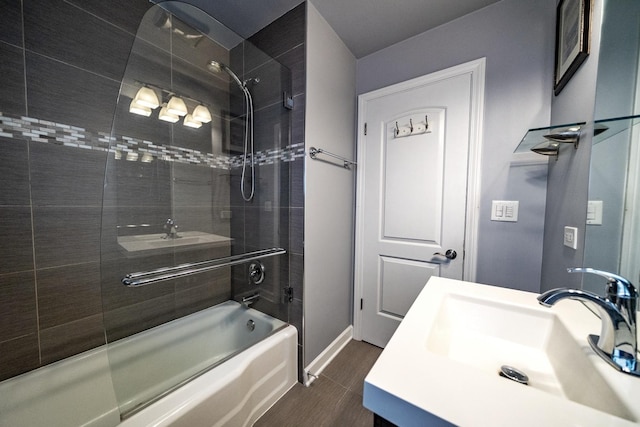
{"points": [[143, 278], [313, 153]]}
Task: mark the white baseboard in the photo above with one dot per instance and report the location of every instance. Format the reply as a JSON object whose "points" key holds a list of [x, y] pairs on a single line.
{"points": [[316, 367]]}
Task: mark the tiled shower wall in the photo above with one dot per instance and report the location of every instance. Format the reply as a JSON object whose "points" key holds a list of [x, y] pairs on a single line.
{"points": [[62, 62], [284, 40]]}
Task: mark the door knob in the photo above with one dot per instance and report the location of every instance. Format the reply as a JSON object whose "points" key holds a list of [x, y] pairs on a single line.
{"points": [[449, 254]]}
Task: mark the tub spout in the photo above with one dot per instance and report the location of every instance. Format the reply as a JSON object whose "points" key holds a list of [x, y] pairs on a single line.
{"points": [[617, 341], [248, 300]]}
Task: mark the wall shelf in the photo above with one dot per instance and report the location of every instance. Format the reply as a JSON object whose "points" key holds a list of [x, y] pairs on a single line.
{"points": [[546, 140]]}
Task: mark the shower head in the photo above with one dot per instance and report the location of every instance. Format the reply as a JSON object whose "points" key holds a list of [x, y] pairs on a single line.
{"points": [[216, 67]]}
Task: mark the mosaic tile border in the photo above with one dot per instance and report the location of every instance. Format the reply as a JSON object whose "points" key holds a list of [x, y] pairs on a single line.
{"points": [[32, 129]]}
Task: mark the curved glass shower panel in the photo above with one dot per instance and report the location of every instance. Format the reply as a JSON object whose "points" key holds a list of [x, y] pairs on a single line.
{"points": [[172, 190]]}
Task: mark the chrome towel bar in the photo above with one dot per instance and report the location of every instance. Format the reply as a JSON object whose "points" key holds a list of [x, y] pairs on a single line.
{"points": [[313, 153], [143, 278]]}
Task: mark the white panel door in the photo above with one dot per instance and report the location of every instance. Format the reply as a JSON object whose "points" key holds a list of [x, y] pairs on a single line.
{"points": [[412, 209]]}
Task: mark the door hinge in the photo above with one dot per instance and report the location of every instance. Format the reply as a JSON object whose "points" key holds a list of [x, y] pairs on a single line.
{"points": [[361, 303], [365, 128]]}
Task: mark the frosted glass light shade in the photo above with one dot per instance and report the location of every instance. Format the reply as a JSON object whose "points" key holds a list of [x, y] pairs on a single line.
{"points": [[189, 121], [176, 106], [202, 114], [141, 110], [166, 116], [147, 97]]}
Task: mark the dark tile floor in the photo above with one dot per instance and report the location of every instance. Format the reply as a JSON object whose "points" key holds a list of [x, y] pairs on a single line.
{"points": [[334, 399]]}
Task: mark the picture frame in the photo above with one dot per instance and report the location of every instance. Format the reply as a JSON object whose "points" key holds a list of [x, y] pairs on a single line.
{"points": [[573, 33]]}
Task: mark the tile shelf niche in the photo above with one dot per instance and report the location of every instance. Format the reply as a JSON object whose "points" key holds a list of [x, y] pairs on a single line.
{"points": [[603, 129]]}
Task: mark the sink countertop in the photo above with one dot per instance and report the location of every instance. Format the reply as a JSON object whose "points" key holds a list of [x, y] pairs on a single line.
{"points": [[410, 385]]}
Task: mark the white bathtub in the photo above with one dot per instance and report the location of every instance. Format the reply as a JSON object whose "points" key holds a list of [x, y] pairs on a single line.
{"points": [[79, 391]]}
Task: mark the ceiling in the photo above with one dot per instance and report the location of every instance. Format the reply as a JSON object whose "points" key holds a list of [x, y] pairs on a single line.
{"points": [[365, 26]]}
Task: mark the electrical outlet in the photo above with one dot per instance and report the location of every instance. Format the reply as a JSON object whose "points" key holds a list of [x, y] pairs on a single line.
{"points": [[571, 237]]}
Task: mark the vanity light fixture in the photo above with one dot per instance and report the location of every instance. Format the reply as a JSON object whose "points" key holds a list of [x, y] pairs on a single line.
{"points": [[191, 122], [166, 116], [201, 114], [147, 98], [177, 107], [138, 109]]}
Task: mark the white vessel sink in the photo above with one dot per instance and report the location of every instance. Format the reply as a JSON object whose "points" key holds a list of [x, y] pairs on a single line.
{"points": [[145, 242], [442, 365]]}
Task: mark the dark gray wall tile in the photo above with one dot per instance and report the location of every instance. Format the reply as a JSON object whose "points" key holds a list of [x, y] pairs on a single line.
{"points": [[15, 228], [66, 235], [90, 43], [18, 302], [296, 230], [126, 14], [284, 34], [294, 59], [192, 299], [11, 22], [296, 269], [143, 184], [139, 317], [296, 190], [297, 119], [68, 293], [115, 295], [19, 355], [71, 338], [269, 90], [14, 172], [12, 95], [65, 94], [66, 176]]}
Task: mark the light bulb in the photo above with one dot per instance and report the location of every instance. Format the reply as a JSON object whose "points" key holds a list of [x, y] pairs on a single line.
{"points": [[166, 116], [147, 97], [202, 114], [177, 106], [191, 122], [141, 110]]}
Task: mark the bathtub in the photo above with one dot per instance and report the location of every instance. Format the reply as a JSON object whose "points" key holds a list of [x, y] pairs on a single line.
{"points": [[93, 388]]}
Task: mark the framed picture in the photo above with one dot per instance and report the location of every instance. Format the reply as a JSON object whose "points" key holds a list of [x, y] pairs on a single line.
{"points": [[572, 39]]}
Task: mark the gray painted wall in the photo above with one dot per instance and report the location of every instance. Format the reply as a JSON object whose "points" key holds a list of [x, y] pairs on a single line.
{"points": [[517, 38], [615, 96], [329, 189], [568, 179]]}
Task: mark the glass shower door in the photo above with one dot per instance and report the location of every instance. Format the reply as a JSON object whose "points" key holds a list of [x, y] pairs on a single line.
{"points": [[172, 190]]}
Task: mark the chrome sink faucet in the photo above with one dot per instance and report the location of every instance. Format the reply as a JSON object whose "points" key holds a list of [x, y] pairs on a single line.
{"points": [[171, 229], [617, 341]]}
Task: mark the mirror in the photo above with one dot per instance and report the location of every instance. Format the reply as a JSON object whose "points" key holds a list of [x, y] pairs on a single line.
{"points": [[612, 238]]}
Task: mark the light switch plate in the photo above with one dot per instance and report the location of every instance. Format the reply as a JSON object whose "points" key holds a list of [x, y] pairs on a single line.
{"points": [[571, 237], [504, 210], [594, 212]]}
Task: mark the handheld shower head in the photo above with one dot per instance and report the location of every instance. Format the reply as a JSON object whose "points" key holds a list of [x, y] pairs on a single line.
{"points": [[216, 67]]}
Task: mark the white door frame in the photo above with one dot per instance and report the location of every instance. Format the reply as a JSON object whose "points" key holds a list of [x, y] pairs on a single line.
{"points": [[476, 69]]}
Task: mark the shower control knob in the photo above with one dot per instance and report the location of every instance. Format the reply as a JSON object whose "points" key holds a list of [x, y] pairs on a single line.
{"points": [[449, 254]]}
